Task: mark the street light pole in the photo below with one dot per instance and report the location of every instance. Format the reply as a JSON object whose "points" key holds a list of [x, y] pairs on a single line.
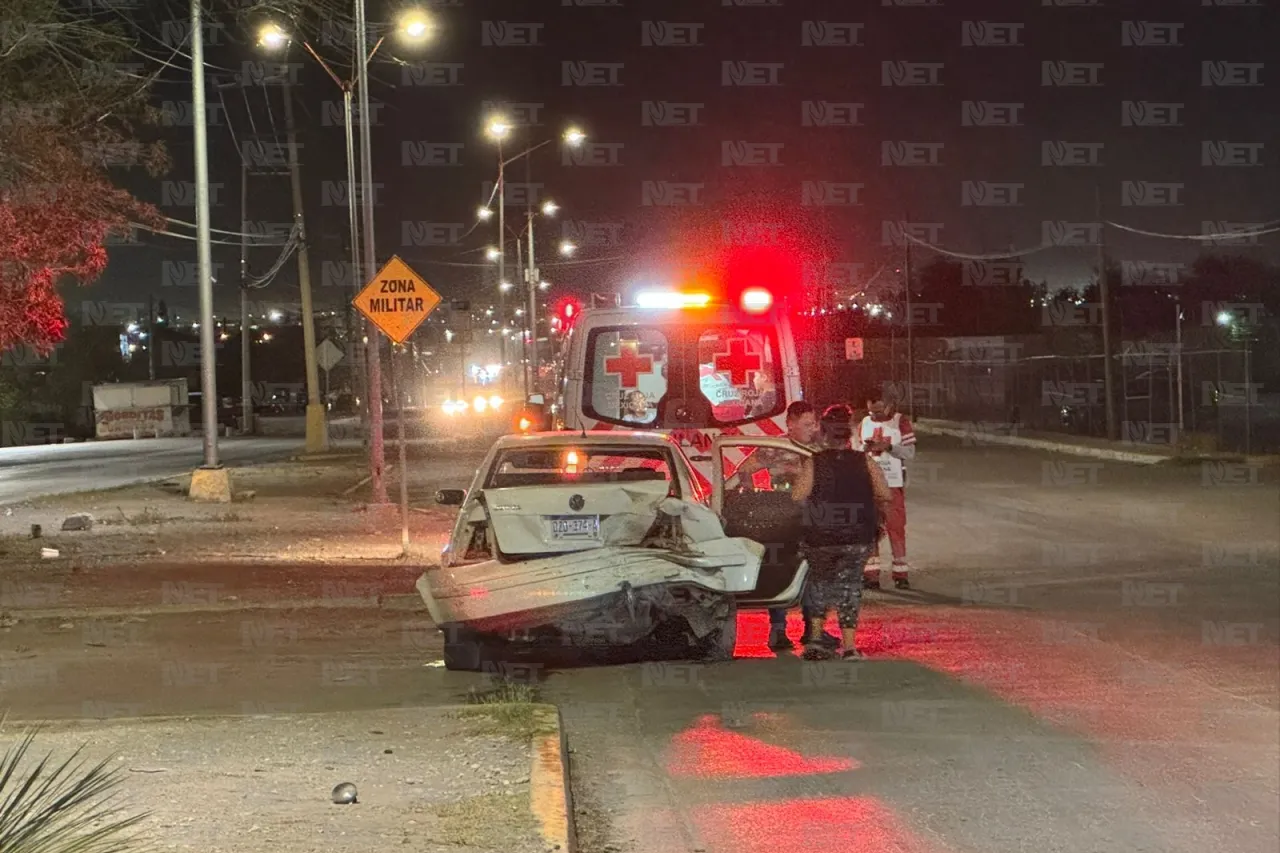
{"points": [[502, 265], [361, 327], [376, 455], [208, 354], [317, 430], [533, 313]]}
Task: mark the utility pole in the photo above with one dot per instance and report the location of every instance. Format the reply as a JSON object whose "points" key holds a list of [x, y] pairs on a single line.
{"points": [[1104, 295], [376, 457], [317, 430], [246, 387], [208, 352], [151, 337]]}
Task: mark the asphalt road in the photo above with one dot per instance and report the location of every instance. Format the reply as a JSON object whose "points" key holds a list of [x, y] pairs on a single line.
{"points": [[1090, 662], [53, 469]]}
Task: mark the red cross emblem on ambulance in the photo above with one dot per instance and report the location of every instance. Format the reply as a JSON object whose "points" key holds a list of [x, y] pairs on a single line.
{"points": [[629, 364], [738, 362]]}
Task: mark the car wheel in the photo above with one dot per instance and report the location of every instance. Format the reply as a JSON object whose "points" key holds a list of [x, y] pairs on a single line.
{"points": [[720, 643], [464, 651]]}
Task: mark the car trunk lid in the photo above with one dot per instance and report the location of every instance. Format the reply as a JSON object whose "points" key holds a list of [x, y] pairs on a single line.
{"points": [[559, 519]]}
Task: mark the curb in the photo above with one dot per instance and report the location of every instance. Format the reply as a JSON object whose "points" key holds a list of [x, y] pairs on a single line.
{"points": [[550, 794], [941, 428]]}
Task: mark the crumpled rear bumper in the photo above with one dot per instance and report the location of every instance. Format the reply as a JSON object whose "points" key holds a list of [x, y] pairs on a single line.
{"points": [[613, 591]]}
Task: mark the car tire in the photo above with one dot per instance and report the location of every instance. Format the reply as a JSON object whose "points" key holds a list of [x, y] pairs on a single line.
{"points": [[720, 643], [465, 651]]}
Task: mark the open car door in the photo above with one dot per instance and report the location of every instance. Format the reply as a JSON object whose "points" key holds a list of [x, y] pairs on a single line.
{"points": [[758, 506]]}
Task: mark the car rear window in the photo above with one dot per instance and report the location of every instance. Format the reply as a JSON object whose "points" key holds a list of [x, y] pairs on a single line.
{"points": [[559, 466]]}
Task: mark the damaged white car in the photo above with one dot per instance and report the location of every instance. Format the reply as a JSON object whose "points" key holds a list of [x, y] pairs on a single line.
{"points": [[608, 538]]}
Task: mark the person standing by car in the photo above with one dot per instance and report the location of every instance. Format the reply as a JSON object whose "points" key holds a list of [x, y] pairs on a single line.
{"points": [[888, 437], [844, 494], [783, 467]]}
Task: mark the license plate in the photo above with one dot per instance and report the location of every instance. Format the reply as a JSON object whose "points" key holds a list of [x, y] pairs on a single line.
{"points": [[575, 526]]}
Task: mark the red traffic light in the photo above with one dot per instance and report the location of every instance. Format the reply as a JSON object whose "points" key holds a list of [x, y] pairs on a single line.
{"points": [[566, 312]]}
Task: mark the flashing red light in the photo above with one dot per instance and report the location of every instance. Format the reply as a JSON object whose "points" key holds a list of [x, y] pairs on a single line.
{"points": [[756, 300]]}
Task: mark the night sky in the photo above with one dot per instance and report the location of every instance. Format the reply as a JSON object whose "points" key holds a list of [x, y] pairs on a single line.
{"points": [[958, 106]]}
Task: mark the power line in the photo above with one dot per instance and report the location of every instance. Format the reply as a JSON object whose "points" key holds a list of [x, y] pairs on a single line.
{"points": [[1012, 253], [585, 261], [221, 231], [1261, 229], [190, 237]]}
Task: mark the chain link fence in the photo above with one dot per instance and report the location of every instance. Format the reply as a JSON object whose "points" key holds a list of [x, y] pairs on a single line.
{"points": [[1205, 398]]}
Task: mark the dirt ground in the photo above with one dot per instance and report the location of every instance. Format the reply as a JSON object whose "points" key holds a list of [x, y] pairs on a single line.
{"points": [[305, 511], [427, 779]]}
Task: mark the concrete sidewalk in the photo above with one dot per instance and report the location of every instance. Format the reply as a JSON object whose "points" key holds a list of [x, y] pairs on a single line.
{"points": [[462, 779], [992, 432]]}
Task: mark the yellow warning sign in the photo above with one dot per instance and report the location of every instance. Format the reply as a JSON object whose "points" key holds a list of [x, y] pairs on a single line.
{"points": [[397, 300]]}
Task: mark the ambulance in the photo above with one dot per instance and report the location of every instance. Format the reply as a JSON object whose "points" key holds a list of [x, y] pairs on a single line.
{"points": [[686, 363]]}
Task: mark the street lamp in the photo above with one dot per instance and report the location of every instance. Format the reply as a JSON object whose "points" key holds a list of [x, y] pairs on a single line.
{"points": [[498, 128], [567, 248], [549, 208], [492, 253], [414, 26], [272, 37]]}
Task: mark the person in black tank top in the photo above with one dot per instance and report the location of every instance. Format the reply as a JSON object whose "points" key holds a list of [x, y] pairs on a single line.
{"points": [[844, 495]]}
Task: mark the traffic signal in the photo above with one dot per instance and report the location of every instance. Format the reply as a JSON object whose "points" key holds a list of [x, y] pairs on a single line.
{"points": [[566, 313]]}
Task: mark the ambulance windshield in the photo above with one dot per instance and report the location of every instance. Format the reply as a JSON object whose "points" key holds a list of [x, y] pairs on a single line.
{"points": [[732, 373]]}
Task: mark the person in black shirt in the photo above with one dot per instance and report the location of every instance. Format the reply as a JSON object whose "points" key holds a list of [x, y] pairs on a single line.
{"points": [[844, 495], [783, 467]]}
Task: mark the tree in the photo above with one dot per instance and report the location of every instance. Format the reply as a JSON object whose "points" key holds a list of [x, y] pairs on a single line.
{"points": [[70, 108], [978, 297]]}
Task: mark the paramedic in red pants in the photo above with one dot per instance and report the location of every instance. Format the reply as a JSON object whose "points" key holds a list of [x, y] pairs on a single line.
{"points": [[887, 436]]}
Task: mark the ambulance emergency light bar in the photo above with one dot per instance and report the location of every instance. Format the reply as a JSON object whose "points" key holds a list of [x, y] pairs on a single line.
{"points": [[672, 299], [754, 300]]}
